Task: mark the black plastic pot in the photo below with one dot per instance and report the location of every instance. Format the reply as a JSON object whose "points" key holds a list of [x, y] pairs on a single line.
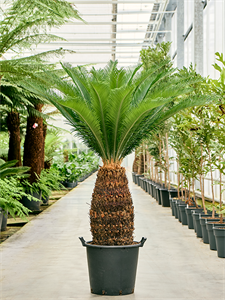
{"points": [[45, 201], [203, 218], [178, 203], [4, 220], [170, 200], [70, 185], [112, 269], [209, 226], [138, 179], [183, 216], [141, 182], [173, 193], [219, 233], [1, 216], [145, 184], [133, 177], [164, 193], [150, 187], [196, 220], [189, 216], [174, 208], [32, 204], [154, 185], [157, 194]]}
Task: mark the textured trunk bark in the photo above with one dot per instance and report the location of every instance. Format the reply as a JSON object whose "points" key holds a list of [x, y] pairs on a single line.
{"points": [[112, 211], [43, 148], [33, 145], [13, 123], [135, 165]]}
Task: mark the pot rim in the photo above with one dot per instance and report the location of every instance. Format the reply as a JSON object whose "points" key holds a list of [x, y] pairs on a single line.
{"points": [[87, 244]]}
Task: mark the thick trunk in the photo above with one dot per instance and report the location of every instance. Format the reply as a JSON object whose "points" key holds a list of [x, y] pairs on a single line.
{"points": [[135, 165], [43, 148], [112, 211], [13, 123], [33, 146]]}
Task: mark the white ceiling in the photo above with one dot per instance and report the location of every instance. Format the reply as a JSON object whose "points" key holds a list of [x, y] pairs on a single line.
{"points": [[113, 30]]}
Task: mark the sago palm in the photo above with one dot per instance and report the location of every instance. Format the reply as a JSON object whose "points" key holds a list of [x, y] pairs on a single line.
{"points": [[112, 110]]}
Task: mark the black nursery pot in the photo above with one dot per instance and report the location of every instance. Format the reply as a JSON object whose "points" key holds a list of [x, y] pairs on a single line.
{"points": [[1, 216], [70, 185], [210, 224], [112, 269], [157, 194], [133, 176], [203, 218], [219, 233], [4, 220], [32, 204], [183, 216], [190, 220], [138, 179], [173, 193], [150, 187], [164, 197]]}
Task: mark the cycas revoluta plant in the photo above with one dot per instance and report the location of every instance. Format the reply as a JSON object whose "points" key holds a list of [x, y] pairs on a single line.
{"points": [[112, 110]]}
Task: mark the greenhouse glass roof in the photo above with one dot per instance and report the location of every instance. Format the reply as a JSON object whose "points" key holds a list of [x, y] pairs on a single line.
{"points": [[115, 30]]}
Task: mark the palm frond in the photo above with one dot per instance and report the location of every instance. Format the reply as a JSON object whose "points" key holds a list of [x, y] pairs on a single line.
{"points": [[110, 115]]}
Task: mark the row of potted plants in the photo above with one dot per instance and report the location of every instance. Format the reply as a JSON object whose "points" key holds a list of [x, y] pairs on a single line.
{"points": [[77, 167], [209, 225]]}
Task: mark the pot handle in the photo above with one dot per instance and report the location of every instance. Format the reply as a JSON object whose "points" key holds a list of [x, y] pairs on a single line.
{"points": [[143, 240], [82, 241]]}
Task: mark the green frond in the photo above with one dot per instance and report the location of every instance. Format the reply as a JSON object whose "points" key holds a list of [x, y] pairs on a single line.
{"points": [[111, 116]]}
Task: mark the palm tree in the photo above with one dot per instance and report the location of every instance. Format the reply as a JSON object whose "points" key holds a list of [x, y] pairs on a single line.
{"points": [[19, 31], [113, 110]]}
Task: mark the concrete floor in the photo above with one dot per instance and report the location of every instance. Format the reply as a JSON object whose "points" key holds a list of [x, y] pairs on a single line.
{"points": [[45, 259]]}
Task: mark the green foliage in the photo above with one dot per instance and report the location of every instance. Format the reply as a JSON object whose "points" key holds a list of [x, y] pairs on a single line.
{"points": [[78, 165], [7, 169], [11, 192], [4, 145], [153, 56], [113, 109], [36, 187], [52, 145], [52, 179]]}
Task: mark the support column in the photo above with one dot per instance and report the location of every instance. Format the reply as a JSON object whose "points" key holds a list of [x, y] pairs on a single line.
{"points": [[198, 35], [168, 26], [180, 32]]}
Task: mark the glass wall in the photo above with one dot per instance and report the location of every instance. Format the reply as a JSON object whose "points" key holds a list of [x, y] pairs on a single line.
{"points": [[213, 41]]}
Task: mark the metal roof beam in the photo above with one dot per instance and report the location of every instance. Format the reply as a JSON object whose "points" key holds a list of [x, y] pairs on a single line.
{"points": [[119, 31], [112, 2], [140, 12], [101, 44], [107, 23]]}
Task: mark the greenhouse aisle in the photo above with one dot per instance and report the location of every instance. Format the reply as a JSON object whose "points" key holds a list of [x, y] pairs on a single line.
{"points": [[45, 259]]}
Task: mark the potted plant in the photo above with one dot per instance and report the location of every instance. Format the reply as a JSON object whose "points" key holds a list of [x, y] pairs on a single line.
{"points": [[112, 110], [51, 179]]}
